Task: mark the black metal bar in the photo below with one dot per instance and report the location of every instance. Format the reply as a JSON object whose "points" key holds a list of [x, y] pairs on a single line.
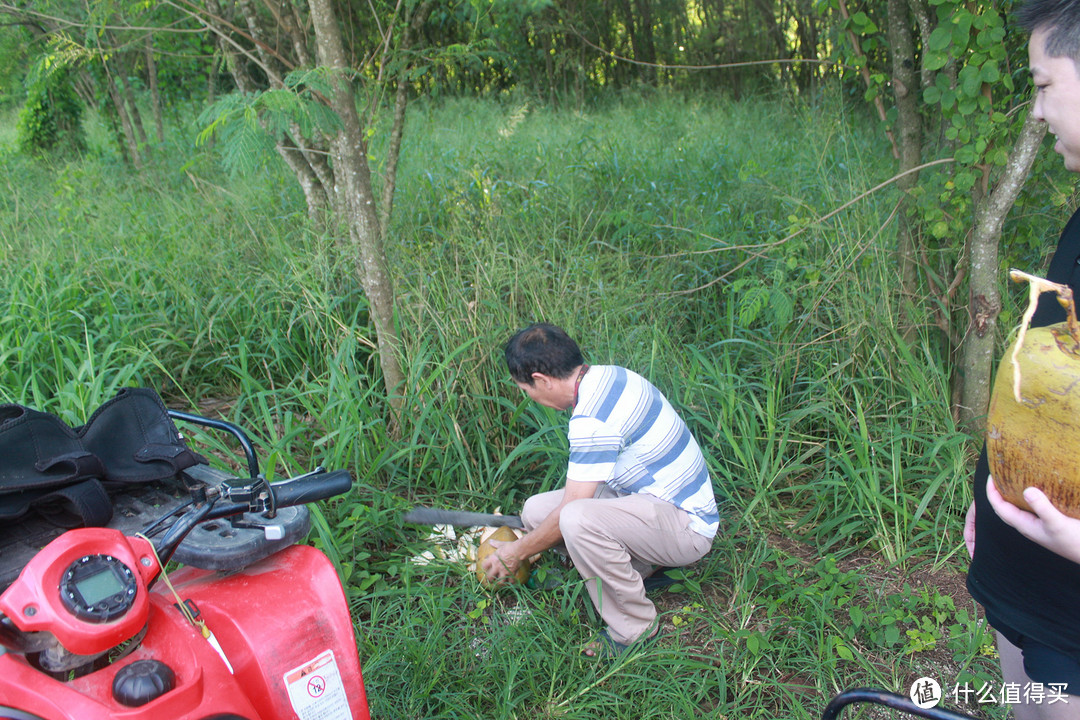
{"points": [[235, 430], [892, 700]]}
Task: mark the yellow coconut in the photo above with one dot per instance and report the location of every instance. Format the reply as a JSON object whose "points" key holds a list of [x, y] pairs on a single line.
{"points": [[1033, 425], [504, 534]]}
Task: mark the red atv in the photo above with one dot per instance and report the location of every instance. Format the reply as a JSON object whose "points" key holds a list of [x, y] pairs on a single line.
{"points": [[253, 626]]}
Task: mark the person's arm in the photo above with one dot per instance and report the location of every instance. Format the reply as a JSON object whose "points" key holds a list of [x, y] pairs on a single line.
{"points": [[508, 556], [1046, 526]]}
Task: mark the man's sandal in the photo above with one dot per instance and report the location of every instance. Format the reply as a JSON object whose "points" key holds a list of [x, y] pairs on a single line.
{"points": [[605, 647], [660, 579]]}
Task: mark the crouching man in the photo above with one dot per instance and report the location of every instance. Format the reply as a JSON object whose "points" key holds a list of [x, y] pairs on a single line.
{"points": [[638, 495]]}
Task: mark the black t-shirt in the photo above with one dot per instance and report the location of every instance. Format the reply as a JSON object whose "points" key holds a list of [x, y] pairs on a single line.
{"points": [[1021, 585]]}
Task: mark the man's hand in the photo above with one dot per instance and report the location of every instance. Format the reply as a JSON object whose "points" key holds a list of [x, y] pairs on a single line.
{"points": [[509, 556], [501, 565], [1046, 526]]}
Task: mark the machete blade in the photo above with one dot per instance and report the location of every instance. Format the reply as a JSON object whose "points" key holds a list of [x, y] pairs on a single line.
{"points": [[459, 518]]}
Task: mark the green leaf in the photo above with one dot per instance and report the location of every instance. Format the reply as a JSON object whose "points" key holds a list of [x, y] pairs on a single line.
{"points": [[998, 156], [948, 100], [935, 60], [970, 81], [966, 155], [939, 39], [862, 24], [961, 32], [990, 73], [966, 179]]}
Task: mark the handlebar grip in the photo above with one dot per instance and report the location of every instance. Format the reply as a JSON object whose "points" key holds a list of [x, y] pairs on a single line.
{"points": [[312, 487]]}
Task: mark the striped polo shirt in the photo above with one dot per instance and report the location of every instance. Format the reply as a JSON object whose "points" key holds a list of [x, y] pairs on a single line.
{"points": [[625, 433]]}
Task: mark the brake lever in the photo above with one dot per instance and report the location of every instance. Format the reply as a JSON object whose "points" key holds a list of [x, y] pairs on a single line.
{"points": [[258, 493], [255, 492]]}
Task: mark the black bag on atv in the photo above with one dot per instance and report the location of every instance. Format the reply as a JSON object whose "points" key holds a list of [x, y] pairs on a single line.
{"points": [[64, 473]]}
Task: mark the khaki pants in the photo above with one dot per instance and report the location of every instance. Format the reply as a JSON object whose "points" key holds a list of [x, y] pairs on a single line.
{"points": [[616, 540]]}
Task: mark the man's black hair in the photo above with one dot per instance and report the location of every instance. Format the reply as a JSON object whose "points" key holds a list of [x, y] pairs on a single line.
{"points": [[542, 348], [1061, 20]]}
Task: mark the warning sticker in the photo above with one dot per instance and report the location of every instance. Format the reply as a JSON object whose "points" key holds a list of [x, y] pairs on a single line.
{"points": [[316, 691]]}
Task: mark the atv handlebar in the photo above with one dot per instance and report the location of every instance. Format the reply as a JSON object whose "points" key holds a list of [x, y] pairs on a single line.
{"points": [[317, 485], [237, 496], [309, 488]]}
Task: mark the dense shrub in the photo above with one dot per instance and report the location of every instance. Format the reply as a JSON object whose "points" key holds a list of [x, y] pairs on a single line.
{"points": [[51, 118]]}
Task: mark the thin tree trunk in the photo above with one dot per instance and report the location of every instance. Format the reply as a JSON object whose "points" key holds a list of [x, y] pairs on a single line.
{"points": [[133, 110], [308, 164], [921, 13], [155, 94], [124, 64], [645, 34], [397, 130], [354, 196], [905, 85], [211, 78], [977, 355], [125, 121], [314, 191], [393, 152]]}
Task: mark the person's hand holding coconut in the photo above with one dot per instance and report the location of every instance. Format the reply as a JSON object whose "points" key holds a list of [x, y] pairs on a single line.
{"points": [[497, 562], [1045, 525]]}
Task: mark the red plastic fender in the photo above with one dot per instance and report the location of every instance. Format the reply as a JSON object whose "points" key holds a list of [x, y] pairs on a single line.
{"points": [[284, 625]]}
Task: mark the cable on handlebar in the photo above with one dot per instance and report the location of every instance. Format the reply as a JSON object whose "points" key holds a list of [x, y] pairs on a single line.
{"points": [[176, 533], [149, 529]]}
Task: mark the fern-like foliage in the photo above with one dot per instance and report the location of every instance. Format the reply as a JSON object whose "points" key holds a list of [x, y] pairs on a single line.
{"points": [[248, 125]]}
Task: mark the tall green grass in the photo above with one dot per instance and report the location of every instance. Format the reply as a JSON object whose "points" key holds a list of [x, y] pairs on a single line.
{"points": [[676, 236]]}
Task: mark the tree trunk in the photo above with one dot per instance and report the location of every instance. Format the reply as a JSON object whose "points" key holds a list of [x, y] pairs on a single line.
{"points": [[393, 152], [125, 121], [155, 94], [905, 86], [921, 12], [977, 355], [397, 129], [133, 109], [211, 78], [646, 43], [314, 191], [354, 198]]}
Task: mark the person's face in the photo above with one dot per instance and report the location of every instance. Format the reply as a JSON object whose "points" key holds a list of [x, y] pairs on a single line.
{"points": [[544, 391], [1057, 80]]}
